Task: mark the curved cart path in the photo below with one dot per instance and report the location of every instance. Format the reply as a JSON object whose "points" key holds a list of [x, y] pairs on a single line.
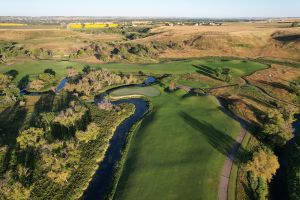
{"points": [[225, 174]]}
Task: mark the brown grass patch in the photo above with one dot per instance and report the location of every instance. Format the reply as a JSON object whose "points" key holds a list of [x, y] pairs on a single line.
{"points": [[276, 80]]}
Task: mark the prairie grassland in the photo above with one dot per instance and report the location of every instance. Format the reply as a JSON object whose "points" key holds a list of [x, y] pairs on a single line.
{"points": [[231, 39], [58, 40], [276, 80]]}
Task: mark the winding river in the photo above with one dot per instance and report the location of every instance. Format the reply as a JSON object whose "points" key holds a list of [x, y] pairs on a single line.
{"points": [[100, 185]]}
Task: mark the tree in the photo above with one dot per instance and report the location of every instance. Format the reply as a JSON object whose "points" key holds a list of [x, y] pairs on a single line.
{"points": [[24, 82], [12, 93], [87, 69], [295, 86], [172, 86], [226, 73], [276, 129], [50, 71], [12, 73], [90, 134], [72, 72], [295, 24], [218, 72], [4, 81], [264, 165], [32, 137], [16, 191], [37, 85]]}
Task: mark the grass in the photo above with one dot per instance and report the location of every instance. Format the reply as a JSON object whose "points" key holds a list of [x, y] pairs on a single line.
{"points": [[36, 67], [238, 67], [179, 150], [173, 67], [193, 84], [145, 91]]}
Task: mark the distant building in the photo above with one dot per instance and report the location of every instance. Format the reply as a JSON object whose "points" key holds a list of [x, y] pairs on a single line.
{"points": [[141, 23]]}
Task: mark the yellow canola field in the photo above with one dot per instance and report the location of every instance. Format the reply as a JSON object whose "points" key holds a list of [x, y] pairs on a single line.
{"points": [[12, 24]]}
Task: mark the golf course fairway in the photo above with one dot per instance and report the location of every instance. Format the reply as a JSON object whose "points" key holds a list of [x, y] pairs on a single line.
{"points": [[178, 150]]}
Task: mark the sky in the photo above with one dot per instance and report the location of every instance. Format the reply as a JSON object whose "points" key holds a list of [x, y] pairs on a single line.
{"points": [[152, 8]]}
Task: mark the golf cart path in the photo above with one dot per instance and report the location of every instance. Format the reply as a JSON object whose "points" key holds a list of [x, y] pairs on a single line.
{"points": [[225, 174]]}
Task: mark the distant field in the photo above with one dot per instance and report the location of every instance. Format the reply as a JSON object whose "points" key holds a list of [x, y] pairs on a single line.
{"points": [[186, 136], [145, 91], [11, 24]]}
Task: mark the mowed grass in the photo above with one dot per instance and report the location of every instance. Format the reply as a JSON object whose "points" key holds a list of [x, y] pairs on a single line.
{"points": [[178, 151], [238, 67], [193, 84], [37, 67], [145, 91]]}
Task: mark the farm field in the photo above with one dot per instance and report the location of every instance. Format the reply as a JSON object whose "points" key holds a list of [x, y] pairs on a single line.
{"points": [[176, 138]]}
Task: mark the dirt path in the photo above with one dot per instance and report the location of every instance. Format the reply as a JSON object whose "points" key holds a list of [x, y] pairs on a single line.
{"points": [[225, 174]]}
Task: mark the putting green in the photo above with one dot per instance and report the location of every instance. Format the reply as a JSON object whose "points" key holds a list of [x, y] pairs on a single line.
{"points": [[145, 91], [179, 150]]}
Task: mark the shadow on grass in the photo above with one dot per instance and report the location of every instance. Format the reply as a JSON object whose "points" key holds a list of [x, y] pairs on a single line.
{"points": [[217, 139], [259, 100], [45, 103], [133, 157], [206, 71], [11, 121], [277, 85]]}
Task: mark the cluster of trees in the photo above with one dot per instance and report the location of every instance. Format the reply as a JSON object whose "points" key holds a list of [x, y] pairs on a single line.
{"points": [[295, 87], [11, 50], [92, 81], [68, 121], [116, 51], [164, 45], [41, 53], [261, 168], [44, 81], [275, 132], [43, 166], [108, 106], [295, 24], [224, 73], [10, 92]]}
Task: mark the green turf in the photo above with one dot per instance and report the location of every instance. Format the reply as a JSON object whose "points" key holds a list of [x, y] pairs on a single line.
{"points": [[173, 67], [179, 150], [193, 84], [187, 66], [37, 67], [146, 91]]}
